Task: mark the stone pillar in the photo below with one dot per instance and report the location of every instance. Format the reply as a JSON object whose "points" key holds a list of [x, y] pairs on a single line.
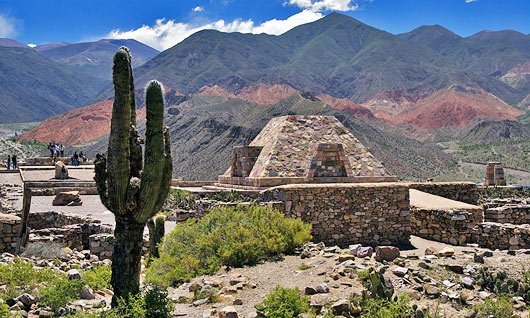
{"points": [[490, 174], [499, 175]]}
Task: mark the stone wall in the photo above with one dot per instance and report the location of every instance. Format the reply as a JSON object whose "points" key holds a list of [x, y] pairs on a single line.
{"points": [[459, 191], [52, 219], [448, 226], [502, 236], [342, 214], [10, 227], [512, 213], [75, 236], [102, 245]]}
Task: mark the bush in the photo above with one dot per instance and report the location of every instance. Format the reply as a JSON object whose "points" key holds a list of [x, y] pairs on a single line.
{"points": [[151, 303], [499, 307], [98, 277], [234, 236], [4, 309], [382, 308], [60, 292], [20, 277], [284, 303]]}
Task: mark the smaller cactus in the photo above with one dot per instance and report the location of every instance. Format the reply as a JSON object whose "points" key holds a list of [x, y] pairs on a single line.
{"points": [[156, 233], [376, 284]]}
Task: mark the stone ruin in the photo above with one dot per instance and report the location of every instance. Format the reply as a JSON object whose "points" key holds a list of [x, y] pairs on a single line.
{"points": [[494, 175], [303, 149]]}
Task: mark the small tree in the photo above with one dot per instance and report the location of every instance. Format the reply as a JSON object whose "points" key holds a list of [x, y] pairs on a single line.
{"points": [[130, 189]]}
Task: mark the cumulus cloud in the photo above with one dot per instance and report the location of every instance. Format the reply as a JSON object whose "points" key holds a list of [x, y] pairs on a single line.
{"points": [[325, 5], [166, 33], [7, 26], [198, 9]]}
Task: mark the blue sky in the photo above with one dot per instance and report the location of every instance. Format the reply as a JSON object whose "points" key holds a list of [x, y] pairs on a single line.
{"points": [[163, 23]]}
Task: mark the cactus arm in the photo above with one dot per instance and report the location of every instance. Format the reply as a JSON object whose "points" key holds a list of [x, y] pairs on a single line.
{"points": [[119, 148], [154, 164], [167, 174]]}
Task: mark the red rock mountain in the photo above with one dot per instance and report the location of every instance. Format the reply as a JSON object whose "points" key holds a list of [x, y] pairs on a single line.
{"points": [[346, 105], [455, 107], [78, 126]]}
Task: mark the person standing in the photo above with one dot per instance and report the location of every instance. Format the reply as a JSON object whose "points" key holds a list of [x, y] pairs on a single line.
{"points": [[61, 149], [8, 162], [50, 148], [14, 162]]}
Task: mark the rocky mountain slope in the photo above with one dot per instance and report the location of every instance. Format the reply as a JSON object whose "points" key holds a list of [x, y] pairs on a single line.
{"points": [[95, 58], [204, 129], [495, 132], [33, 87]]}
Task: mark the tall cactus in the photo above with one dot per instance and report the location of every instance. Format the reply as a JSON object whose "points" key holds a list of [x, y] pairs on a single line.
{"points": [[133, 190]]}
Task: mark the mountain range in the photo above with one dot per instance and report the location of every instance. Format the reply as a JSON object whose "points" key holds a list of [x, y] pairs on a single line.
{"points": [[37, 83], [429, 84], [95, 58]]}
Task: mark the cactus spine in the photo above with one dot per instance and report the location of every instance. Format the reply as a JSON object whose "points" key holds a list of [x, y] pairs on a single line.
{"points": [[132, 190]]}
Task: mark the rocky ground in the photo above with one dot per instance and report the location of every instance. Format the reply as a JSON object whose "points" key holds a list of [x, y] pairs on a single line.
{"points": [[436, 276]]}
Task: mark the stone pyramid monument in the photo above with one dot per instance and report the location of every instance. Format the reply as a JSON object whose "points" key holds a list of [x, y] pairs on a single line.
{"points": [[303, 149]]}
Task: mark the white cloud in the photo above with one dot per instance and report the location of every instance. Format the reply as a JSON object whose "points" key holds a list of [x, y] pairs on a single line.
{"points": [[198, 9], [469, 1], [7, 26], [166, 33], [32, 45], [324, 5]]}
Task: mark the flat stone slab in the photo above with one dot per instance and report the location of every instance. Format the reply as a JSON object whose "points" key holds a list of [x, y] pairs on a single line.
{"points": [[427, 201]]}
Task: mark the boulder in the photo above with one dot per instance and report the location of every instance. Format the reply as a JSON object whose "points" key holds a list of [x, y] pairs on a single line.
{"points": [[341, 307], [61, 171], [73, 274], [228, 312], [69, 198], [386, 253], [365, 251]]}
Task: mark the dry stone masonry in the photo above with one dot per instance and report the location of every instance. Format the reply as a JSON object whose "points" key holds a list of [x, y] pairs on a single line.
{"points": [[503, 236], [511, 213], [10, 227], [441, 219], [303, 149], [343, 214]]}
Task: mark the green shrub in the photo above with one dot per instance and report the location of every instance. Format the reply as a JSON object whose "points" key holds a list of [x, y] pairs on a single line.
{"points": [[284, 303], [375, 307], [151, 303], [98, 277], [20, 277], [60, 292], [157, 303], [4, 309], [235, 236], [498, 307]]}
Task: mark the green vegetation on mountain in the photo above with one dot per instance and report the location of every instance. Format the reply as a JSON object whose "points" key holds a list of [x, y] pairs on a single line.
{"points": [[33, 88], [95, 58], [340, 56]]}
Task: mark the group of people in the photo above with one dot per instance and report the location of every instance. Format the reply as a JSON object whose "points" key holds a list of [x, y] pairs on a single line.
{"points": [[76, 158], [12, 162], [56, 150]]}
